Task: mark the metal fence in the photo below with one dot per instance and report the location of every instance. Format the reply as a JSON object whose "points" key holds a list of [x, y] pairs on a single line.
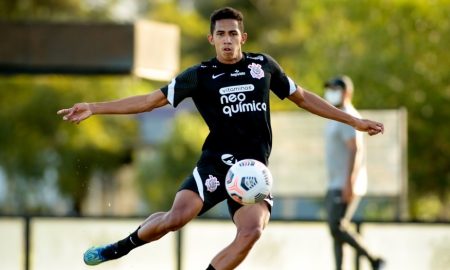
{"points": [[38, 243]]}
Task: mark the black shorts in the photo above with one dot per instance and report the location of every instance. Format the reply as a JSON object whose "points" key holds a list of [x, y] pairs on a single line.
{"points": [[208, 181]]}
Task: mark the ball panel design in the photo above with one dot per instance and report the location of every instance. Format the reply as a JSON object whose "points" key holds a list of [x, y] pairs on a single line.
{"points": [[248, 181]]}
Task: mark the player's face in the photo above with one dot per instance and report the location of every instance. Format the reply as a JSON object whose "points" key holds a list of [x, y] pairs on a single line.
{"points": [[228, 39]]}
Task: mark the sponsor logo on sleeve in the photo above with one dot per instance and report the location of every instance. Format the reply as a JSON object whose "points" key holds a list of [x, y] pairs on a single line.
{"points": [[259, 57]]}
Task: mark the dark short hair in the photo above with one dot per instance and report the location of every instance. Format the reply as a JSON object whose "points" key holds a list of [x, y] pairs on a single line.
{"points": [[226, 13], [344, 82]]}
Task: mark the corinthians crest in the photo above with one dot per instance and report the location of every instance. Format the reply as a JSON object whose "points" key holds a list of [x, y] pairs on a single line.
{"points": [[256, 71], [211, 183]]}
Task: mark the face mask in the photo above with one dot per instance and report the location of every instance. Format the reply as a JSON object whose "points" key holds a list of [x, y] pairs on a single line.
{"points": [[333, 96]]}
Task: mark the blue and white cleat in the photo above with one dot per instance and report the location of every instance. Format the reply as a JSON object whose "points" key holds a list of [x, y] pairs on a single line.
{"points": [[93, 256]]}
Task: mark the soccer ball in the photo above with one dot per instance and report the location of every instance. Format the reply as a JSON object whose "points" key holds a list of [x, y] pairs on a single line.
{"points": [[248, 181]]}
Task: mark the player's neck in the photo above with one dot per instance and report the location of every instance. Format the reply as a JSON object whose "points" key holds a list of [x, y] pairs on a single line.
{"points": [[230, 61]]}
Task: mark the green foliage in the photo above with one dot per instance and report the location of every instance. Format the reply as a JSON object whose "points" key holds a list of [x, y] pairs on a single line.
{"points": [[194, 45], [55, 10], [396, 51], [428, 207], [162, 170], [34, 139]]}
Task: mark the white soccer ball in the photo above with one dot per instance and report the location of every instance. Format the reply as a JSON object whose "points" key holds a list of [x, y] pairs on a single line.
{"points": [[248, 181]]}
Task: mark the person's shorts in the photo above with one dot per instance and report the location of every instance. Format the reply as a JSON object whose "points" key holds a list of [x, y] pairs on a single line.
{"points": [[208, 181]]}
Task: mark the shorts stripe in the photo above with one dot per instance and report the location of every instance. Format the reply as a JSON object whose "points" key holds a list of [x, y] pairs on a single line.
{"points": [[171, 92], [199, 182], [269, 201], [292, 86]]}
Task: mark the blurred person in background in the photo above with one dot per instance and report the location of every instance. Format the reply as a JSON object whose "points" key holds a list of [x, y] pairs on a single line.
{"points": [[347, 173], [231, 92]]}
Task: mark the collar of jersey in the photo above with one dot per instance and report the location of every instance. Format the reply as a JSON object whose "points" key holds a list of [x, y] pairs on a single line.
{"points": [[217, 62]]}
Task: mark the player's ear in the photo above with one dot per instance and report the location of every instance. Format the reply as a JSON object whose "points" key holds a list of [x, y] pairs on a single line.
{"points": [[211, 39], [244, 38]]}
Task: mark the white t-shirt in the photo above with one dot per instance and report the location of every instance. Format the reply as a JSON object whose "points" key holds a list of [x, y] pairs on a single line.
{"points": [[337, 154]]}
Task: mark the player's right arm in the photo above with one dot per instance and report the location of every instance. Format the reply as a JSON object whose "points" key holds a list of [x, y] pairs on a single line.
{"points": [[317, 105], [129, 105]]}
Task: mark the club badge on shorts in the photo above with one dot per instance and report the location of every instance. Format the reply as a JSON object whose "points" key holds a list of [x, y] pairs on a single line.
{"points": [[212, 183]]}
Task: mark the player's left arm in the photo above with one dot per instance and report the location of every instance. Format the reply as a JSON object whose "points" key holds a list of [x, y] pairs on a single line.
{"points": [[317, 105]]}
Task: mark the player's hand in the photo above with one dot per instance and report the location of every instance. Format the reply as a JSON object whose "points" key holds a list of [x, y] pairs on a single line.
{"points": [[77, 113], [371, 127]]}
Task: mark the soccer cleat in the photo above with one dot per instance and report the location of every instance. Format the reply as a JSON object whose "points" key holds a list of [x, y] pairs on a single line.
{"points": [[93, 256]]}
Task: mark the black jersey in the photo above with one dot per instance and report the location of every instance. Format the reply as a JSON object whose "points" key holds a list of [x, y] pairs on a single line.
{"points": [[233, 99]]}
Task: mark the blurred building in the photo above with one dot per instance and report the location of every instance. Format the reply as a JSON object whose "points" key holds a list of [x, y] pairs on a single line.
{"points": [[145, 48]]}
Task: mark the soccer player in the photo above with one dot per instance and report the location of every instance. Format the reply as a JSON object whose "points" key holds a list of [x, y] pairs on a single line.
{"points": [[231, 92], [347, 174]]}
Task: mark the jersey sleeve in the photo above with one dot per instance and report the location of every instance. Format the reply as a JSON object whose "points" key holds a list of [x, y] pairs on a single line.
{"points": [[280, 83], [182, 86]]}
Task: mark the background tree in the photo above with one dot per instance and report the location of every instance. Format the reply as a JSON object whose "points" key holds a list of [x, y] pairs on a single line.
{"points": [[162, 170], [55, 10], [396, 52], [36, 145]]}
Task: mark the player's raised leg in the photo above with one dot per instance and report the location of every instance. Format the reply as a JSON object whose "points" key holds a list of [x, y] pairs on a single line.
{"points": [[250, 221], [186, 206]]}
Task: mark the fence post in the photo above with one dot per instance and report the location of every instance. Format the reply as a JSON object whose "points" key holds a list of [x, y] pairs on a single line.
{"points": [[27, 234], [179, 245], [358, 254]]}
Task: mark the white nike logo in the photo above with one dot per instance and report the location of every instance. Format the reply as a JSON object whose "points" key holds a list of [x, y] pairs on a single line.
{"points": [[131, 240], [218, 75]]}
